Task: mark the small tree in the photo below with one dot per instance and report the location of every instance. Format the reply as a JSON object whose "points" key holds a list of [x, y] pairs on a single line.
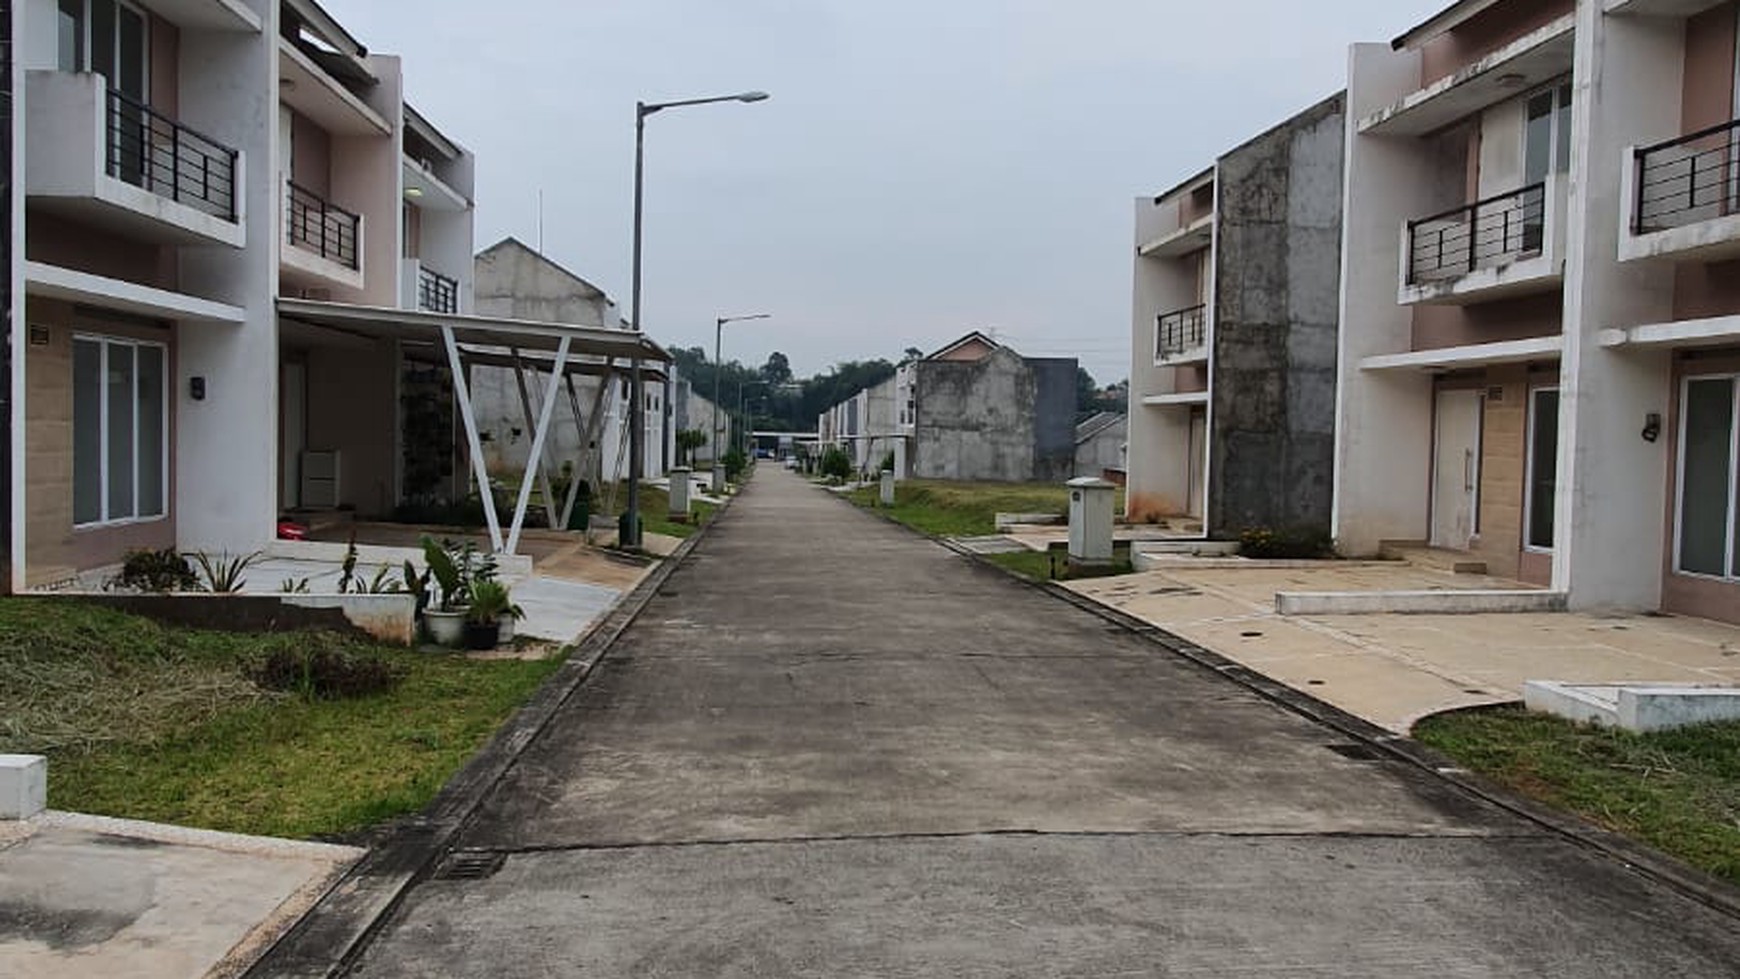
{"points": [[688, 440], [836, 463]]}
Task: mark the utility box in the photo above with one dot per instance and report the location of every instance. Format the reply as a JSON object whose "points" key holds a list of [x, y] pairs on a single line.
{"points": [[887, 487], [679, 494], [1091, 502], [23, 786]]}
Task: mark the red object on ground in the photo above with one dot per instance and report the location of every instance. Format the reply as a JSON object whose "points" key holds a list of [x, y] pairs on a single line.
{"points": [[291, 531]]}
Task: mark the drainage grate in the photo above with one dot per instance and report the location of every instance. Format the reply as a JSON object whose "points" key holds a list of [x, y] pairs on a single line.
{"points": [[1357, 752], [471, 865]]}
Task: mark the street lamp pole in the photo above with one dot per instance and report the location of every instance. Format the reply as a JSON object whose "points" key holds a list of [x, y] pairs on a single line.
{"points": [[718, 376], [629, 534]]}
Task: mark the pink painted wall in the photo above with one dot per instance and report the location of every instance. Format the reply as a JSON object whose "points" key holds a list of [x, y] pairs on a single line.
{"points": [[69, 244], [1708, 95], [165, 67], [311, 156], [1485, 33], [1437, 327]]}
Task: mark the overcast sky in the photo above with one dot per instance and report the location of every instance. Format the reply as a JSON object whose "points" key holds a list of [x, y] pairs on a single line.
{"points": [[925, 167]]}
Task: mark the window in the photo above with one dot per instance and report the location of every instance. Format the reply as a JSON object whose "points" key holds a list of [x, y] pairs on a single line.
{"points": [[120, 431], [1543, 463], [1707, 483], [1547, 138], [107, 37]]}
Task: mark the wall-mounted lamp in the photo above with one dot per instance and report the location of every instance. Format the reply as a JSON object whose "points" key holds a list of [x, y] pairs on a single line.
{"points": [[196, 389], [1651, 426]]}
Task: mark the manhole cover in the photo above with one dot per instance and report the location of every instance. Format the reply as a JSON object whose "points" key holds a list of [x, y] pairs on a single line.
{"points": [[471, 865]]}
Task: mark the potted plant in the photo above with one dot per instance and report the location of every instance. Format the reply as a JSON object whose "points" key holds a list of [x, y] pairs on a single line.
{"points": [[445, 620], [491, 612]]}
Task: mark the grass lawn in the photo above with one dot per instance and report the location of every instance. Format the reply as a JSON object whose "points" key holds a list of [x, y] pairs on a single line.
{"points": [[655, 508], [956, 509], [1678, 791], [149, 722], [1054, 565]]}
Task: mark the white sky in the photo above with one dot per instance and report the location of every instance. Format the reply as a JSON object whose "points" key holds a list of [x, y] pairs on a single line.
{"points": [[925, 167]]}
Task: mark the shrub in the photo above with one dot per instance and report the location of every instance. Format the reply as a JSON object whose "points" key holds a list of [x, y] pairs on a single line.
{"points": [[836, 463], [1295, 543], [156, 571], [887, 462], [326, 674], [735, 462], [223, 574]]}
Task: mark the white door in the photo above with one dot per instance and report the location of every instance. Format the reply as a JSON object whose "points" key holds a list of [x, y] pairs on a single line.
{"points": [[293, 398], [1198, 462], [1456, 470]]}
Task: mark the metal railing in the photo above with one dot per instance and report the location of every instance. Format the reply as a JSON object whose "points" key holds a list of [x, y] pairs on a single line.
{"points": [[1496, 231], [436, 293], [1178, 332], [325, 229], [1688, 179], [151, 151]]}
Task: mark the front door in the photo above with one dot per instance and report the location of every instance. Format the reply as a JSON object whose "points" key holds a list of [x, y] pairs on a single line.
{"points": [[1198, 461], [1456, 470]]}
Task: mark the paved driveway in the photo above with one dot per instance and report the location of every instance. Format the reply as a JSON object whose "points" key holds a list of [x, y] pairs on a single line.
{"points": [[829, 748]]}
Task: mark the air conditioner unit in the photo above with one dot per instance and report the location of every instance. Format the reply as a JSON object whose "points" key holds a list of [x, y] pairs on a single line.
{"points": [[320, 479]]}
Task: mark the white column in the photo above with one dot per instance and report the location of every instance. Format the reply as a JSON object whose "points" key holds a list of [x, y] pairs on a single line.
{"points": [[480, 472]]}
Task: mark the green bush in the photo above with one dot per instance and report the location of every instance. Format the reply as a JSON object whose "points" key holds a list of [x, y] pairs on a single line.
{"points": [[326, 674], [1295, 543], [156, 571], [887, 462], [836, 463], [735, 462]]}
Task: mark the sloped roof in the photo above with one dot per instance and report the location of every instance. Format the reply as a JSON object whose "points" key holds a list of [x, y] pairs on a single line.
{"points": [[511, 243], [974, 336]]}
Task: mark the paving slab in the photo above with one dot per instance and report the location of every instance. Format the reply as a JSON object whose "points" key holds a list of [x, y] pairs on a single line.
{"points": [[88, 896]]}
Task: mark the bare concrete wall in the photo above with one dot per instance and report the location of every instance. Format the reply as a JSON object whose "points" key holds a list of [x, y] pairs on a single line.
{"points": [[975, 420], [1003, 418], [1276, 299]]}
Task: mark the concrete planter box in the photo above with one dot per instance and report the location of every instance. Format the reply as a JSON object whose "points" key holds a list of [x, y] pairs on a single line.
{"points": [[389, 618]]}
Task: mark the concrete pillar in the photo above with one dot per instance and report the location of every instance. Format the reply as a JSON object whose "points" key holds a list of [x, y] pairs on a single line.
{"points": [[718, 476], [887, 487], [23, 786], [900, 471], [1090, 520], [679, 493]]}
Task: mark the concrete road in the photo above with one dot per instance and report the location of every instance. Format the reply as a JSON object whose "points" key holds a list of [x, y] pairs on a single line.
{"points": [[829, 748]]}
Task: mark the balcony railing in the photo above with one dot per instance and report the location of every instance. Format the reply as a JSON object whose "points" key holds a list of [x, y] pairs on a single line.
{"points": [[1181, 331], [325, 229], [436, 293], [155, 153], [1689, 179], [1488, 233]]}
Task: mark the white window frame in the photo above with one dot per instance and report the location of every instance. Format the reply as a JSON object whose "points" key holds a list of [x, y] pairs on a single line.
{"points": [[104, 342], [1529, 470], [1733, 378]]}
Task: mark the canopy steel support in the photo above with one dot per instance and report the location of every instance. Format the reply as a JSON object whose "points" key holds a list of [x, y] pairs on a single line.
{"points": [[479, 471], [538, 437]]}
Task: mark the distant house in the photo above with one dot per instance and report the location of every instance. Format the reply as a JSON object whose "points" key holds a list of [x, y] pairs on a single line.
{"points": [[1100, 443], [514, 281], [973, 410]]}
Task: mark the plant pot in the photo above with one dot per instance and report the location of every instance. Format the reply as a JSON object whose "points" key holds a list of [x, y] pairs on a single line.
{"points": [[481, 635], [505, 631], [445, 628]]}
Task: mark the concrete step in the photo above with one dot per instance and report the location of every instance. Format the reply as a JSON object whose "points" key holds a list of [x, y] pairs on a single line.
{"points": [[1437, 558]]}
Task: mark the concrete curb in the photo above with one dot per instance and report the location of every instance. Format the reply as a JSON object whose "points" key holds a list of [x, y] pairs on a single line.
{"points": [[1646, 861], [330, 937]]}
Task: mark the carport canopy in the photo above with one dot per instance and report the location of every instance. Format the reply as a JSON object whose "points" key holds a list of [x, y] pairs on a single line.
{"points": [[572, 349]]}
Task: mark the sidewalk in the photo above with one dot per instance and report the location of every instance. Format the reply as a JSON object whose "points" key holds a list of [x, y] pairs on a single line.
{"points": [[1395, 669], [183, 903]]}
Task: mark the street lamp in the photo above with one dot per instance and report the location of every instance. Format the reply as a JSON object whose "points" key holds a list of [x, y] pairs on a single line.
{"points": [[741, 421], [718, 373], [629, 535]]}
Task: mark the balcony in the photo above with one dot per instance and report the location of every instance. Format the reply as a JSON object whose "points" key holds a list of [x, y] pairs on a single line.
{"points": [[1533, 59], [1684, 197], [323, 242], [436, 293], [102, 158], [1506, 245], [1181, 337]]}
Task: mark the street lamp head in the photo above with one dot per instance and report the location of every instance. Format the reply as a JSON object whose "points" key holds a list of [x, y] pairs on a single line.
{"points": [[753, 97]]}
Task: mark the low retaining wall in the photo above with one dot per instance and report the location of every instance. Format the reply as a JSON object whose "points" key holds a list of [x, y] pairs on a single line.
{"points": [[388, 618], [1437, 602]]}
